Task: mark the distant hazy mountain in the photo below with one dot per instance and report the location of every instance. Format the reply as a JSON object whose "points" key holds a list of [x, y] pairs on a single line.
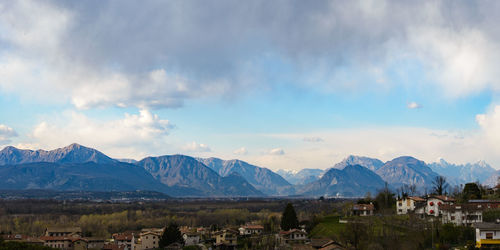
{"points": [[73, 153], [187, 172], [88, 176], [262, 179], [407, 170], [492, 181], [131, 161], [459, 174], [304, 176], [351, 181], [370, 163]]}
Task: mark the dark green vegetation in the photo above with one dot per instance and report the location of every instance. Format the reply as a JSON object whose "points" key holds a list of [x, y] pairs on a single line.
{"points": [[172, 234], [471, 191], [289, 218]]}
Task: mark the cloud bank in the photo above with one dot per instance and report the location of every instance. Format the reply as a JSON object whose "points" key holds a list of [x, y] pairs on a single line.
{"points": [[160, 54]]}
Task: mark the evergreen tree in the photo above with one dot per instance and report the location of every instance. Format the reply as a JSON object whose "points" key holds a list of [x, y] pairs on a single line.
{"points": [[289, 219], [471, 191], [172, 234]]}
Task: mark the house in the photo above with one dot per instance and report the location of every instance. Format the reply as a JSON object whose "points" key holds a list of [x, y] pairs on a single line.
{"points": [[191, 238], [64, 243], [433, 203], [489, 204], [226, 237], [325, 244], [487, 234], [63, 231], [462, 214], [409, 204], [251, 230], [96, 243], [123, 239], [146, 240], [363, 209], [293, 236]]}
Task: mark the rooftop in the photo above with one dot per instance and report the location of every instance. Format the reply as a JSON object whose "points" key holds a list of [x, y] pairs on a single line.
{"points": [[487, 225]]}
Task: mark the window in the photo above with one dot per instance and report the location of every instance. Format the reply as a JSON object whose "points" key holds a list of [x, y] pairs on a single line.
{"points": [[489, 236]]}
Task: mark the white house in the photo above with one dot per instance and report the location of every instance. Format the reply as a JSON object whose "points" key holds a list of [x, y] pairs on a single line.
{"points": [[487, 234], [433, 203], [363, 209], [251, 230], [409, 204], [293, 236], [462, 214], [191, 239]]}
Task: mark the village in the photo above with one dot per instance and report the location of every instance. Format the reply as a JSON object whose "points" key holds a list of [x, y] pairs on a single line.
{"points": [[434, 209]]}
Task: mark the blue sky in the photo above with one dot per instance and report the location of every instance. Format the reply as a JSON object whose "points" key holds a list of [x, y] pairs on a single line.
{"points": [[280, 84]]}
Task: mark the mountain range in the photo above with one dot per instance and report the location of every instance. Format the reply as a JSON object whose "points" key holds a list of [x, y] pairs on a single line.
{"points": [[263, 179], [304, 176], [471, 172], [78, 168], [351, 181]]}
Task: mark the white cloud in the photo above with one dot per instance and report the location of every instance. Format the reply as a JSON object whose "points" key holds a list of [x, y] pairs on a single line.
{"points": [[196, 147], [240, 151], [463, 61], [276, 151], [490, 134], [135, 135], [6, 133], [413, 105], [313, 139], [92, 55]]}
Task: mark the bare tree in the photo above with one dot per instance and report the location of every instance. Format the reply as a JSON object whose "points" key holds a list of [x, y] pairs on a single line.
{"points": [[439, 185]]}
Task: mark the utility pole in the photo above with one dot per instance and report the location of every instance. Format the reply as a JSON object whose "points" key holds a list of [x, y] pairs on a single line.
{"points": [[432, 232]]}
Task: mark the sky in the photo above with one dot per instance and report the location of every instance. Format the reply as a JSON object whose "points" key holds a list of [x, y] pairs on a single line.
{"points": [[280, 84]]}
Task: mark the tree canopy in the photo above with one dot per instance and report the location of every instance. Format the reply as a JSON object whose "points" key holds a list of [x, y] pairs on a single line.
{"points": [[172, 234], [289, 219], [471, 191]]}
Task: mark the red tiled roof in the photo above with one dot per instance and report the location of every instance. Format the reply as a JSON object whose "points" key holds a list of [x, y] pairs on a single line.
{"points": [[416, 198], [123, 237], [363, 207], [443, 198], [58, 238], [290, 231]]}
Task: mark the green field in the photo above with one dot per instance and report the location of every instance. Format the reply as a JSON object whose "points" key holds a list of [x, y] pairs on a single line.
{"points": [[329, 227]]}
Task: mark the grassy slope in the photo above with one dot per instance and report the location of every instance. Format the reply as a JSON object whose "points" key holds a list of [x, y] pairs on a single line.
{"points": [[328, 228]]}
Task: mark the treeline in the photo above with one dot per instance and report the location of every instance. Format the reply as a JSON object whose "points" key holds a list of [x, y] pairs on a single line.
{"points": [[102, 219]]}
